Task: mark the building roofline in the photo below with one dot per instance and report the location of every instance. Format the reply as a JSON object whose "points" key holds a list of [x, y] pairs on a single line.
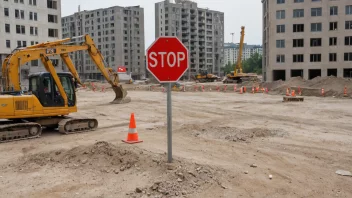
{"points": [[82, 11]]}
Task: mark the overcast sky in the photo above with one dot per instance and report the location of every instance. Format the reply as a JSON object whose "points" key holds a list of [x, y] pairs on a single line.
{"points": [[237, 13]]}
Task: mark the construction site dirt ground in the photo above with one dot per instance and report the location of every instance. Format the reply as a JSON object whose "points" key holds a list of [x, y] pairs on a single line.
{"points": [[224, 145]]}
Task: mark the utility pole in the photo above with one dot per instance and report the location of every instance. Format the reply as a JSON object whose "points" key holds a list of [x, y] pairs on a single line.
{"points": [[233, 36]]}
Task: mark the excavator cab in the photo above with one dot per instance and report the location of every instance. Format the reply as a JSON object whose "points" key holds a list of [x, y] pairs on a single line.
{"points": [[43, 86]]}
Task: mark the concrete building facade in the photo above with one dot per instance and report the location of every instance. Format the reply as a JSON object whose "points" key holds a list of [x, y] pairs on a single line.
{"points": [[200, 30], [307, 38], [28, 22], [231, 52], [117, 31]]}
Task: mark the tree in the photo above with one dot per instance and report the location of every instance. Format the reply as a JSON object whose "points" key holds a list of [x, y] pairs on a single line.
{"points": [[228, 68], [253, 64]]}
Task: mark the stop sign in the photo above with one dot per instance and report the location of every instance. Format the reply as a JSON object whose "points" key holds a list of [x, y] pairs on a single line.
{"points": [[167, 59]]}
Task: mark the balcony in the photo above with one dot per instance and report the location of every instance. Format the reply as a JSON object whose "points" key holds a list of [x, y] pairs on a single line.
{"points": [[185, 39], [209, 15], [185, 13], [201, 22], [201, 15]]}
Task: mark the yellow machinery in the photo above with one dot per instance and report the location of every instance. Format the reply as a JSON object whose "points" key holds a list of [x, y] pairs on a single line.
{"points": [[51, 96], [204, 76], [237, 76]]}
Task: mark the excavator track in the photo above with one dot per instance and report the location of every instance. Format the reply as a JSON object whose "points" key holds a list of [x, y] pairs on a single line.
{"points": [[19, 131], [77, 125]]}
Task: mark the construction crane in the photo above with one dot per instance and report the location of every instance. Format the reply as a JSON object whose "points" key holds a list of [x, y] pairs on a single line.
{"points": [[237, 76], [233, 36], [51, 96]]}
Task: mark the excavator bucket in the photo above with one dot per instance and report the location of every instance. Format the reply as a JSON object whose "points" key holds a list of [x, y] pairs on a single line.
{"points": [[120, 95]]}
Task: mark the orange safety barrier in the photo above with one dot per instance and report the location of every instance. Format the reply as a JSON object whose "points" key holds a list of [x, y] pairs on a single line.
{"points": [[299, 91]]}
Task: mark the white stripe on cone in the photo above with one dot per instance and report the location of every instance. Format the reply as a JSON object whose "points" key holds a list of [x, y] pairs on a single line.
{"points": [[132, 130]]}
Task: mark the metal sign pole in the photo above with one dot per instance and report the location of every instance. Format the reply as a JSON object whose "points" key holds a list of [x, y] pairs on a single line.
{"points": [[169, 125]]}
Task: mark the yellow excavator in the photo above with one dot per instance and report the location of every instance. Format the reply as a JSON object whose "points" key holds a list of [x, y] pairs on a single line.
{"points": [[203, 76], [237, 76], [51, 96]]}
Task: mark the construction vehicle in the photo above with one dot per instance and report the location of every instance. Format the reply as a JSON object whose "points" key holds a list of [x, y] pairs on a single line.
{"points": [[237, 76], [51, 96], [204, 76]]}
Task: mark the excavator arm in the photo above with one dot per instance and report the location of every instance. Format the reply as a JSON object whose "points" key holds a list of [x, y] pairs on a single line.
{"points": [[238, 67], [14, 61]]}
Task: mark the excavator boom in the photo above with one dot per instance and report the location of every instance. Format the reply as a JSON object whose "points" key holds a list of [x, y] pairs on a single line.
{"points": [[238, 67], [13, 62]]}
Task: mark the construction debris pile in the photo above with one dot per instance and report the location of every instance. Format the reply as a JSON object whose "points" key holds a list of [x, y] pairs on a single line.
{"points": [[332, 86]]}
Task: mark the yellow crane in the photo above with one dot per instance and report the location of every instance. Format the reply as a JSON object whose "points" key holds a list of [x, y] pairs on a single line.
{"points": [[237, 76], [51, 96]]}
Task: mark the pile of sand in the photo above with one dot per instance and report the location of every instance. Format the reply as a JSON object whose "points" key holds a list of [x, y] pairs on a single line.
{"points": [[182, 178]]}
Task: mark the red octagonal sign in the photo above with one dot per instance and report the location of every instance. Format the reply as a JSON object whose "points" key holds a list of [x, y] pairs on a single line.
{"points": [[167, 59]]}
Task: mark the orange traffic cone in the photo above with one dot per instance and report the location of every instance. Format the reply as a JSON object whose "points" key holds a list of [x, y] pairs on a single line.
{"points": [[322, 92], [345, 92], [253, 89], [132, 136], [241, 90], [293, 94]]}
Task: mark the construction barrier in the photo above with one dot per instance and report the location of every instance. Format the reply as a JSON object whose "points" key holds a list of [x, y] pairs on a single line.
{"points": [[225, 88], [345, 91], [235, 88], [299, 91]]}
